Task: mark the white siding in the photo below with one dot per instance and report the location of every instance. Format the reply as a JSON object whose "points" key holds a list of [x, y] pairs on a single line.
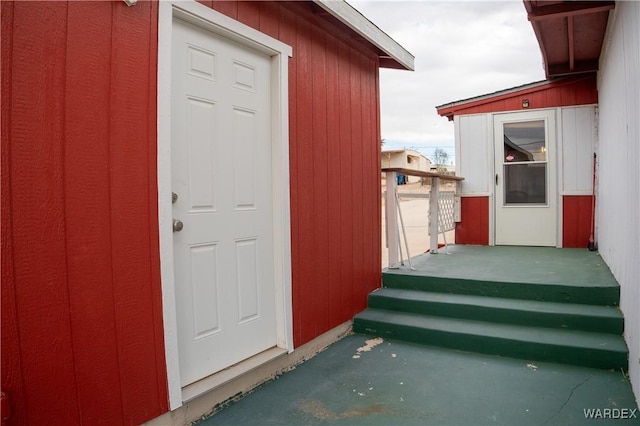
{"points": [[619, 161], [578, 144], [474, 153]]}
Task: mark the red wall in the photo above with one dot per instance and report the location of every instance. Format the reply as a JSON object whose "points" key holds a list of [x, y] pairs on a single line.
{"points": [[81, 302], [576, 220], [82, 333], [580, 90], [474, 227]]}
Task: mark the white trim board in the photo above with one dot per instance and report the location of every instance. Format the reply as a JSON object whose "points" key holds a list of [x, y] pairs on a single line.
{"points": [[279, 52], [345, 13]]}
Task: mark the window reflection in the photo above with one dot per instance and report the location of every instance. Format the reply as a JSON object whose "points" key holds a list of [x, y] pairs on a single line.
{"points": [[524, 142]]}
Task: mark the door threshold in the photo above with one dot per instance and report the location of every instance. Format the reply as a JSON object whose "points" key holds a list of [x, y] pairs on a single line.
{"points": [[211, 382]]}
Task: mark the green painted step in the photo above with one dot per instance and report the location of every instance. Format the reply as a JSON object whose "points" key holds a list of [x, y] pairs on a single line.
{"points": [[596, 350], [605, 295], [604, 319]]}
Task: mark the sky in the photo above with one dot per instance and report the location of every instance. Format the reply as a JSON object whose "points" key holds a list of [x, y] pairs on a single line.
{"points": [[462, 49]]}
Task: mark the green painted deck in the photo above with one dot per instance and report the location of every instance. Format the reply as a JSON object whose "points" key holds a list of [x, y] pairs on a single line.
{"points": [[546, 304], [536, 273], [537, 265], [397, 383]]}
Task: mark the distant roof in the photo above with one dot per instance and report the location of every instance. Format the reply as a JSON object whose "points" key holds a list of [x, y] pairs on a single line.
{"points": [[393, 54], [398, 151]]}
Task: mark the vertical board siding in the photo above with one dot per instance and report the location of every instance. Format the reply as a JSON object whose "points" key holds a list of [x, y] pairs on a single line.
{"points": [[334, 181], [303, 174], [38, 222], [475, 150], [130, 208], [320, 182], [578, 145], [576, 220], [618, 184], [79, 170], [12, 378], [87, 168], [81, 294], [344, 160], [474, 227], [356, 178]]}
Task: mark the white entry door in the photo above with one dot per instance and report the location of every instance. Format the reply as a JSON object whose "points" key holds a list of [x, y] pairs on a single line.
{"points": [[525, 189], [222, 192]]}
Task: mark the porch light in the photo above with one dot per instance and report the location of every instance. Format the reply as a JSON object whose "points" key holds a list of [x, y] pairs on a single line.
{"points": [[525, 103]]}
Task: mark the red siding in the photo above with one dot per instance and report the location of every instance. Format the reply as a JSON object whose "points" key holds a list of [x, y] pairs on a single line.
{"points": [[576, 220], [81, 302], [581, 90], [82, 333], [474, 227]]}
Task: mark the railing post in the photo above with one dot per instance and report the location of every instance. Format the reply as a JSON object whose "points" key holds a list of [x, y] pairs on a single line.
{"points": [[433, 214], [391, 217]]}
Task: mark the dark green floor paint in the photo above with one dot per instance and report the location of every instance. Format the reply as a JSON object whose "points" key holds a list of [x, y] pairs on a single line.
{"points": [[546, 304], [606, 319], [532, 273], [398, 383]]}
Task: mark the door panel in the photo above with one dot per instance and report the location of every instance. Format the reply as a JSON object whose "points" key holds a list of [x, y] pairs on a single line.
{"points": [[221, 173], [525, 192]]}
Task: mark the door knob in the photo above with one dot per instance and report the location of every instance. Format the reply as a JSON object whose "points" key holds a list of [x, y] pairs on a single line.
{"points": [[177, 225]]}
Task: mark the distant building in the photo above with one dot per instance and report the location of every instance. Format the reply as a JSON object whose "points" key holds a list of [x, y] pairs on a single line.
{"points": [[406, 159]]}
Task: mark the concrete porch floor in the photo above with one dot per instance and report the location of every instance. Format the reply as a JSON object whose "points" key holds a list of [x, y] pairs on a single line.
{"points": [[369, 381]]}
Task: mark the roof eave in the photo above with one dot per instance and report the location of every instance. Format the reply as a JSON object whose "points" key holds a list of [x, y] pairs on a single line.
{"points": [[556, 23], [395, 56]]}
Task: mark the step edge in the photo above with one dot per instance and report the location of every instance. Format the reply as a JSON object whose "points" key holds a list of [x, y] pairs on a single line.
{"points": [[617, 340]]}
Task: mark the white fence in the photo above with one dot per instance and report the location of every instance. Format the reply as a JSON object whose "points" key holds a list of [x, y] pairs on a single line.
{"points": [[443, 212]]}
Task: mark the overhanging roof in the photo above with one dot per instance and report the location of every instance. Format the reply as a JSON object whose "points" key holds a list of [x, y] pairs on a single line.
{"points": [[393, 55], [570, 33]]}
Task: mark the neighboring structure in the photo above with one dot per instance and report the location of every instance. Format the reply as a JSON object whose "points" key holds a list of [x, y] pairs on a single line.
{"points": [[405, 159], [607, 44], [166, 196]]}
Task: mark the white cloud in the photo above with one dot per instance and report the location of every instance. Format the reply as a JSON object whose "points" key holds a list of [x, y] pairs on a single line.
{"points": [[462, 49]]}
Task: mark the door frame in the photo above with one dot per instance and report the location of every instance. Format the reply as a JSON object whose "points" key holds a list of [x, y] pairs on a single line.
{"points": [[222, 25], [554, 171]]}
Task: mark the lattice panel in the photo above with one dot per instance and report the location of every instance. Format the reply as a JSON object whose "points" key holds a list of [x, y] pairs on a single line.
{"points": [[446, 202]]}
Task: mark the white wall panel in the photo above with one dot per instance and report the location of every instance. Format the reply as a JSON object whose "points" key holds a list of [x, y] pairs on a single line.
{"points": [[578, 144], [618, 188], [472, 153]]}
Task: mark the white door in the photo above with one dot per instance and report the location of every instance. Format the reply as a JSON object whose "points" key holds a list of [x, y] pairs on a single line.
{"points": [[525, 191], [222, 186]]}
